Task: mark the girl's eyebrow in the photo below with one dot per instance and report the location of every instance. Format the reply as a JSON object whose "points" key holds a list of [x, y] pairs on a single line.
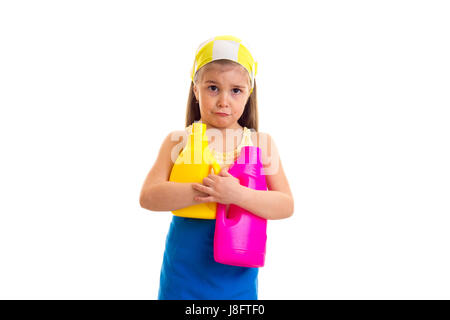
{"points": [[235, 85]]}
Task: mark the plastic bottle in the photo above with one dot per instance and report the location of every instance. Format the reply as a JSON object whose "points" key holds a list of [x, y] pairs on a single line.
{"points": [[192, 165], [240, 236]]}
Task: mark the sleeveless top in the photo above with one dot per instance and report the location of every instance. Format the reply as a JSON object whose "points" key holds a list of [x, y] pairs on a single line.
{"points": [[189, 271], [229, 157]]}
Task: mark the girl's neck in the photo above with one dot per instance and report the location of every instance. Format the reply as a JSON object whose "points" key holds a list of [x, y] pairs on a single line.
{"points": [[229, 138], [234, 127]]}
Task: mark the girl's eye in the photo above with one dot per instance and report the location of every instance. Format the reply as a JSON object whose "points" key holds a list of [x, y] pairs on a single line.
{"points": [[212, 88]]}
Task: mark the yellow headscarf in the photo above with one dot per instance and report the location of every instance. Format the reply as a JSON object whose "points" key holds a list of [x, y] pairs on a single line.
{"points": [[225, 47]]}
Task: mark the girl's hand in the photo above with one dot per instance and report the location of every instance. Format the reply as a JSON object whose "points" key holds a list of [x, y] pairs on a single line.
{"points": [[222, 188]]}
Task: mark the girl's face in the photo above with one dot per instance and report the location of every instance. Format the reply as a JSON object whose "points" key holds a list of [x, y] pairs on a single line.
{"points": [[222, 92]]}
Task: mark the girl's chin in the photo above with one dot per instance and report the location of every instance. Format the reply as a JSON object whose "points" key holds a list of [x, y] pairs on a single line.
{"points": [[223, 123], [218, 122]]}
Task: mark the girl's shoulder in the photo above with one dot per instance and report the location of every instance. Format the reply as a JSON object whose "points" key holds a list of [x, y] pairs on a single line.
{"points": [[269, 151], [166, 158], [177, 140], [178, 135], [260, 139]]}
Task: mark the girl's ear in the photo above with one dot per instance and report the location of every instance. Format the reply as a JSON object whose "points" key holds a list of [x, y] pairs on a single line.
{"points": [[195, 91]]}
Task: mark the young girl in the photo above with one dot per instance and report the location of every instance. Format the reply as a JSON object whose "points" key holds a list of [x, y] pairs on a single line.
{"points": [[222, 96]]}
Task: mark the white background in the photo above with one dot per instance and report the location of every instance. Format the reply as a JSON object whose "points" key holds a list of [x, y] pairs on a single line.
{"points": [[354, 93]]}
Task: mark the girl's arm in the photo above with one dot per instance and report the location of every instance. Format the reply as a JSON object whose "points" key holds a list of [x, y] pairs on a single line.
{"points": [[277, 202], [168, 196], [160, 194], [274, 203]]}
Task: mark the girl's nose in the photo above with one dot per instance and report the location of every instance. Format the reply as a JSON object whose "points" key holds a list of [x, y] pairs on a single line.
{"points": [[223, 100]]}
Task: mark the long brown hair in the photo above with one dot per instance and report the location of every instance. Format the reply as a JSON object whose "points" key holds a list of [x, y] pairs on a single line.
{"points": [[249, 117]]}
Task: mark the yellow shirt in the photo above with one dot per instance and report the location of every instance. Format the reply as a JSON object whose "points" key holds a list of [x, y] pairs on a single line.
{"points": [[228, 158]]}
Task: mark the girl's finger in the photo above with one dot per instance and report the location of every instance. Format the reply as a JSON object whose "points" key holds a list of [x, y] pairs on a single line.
{"points": [[207, 181], [198, 186], [205, 199], [212, 177], [202, 188]]}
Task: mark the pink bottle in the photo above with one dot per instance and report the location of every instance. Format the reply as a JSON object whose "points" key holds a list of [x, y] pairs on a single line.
{"points": [[240, 236]]}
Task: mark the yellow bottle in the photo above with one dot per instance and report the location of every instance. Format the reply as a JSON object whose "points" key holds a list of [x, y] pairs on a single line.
{"points": [[192, 165]]}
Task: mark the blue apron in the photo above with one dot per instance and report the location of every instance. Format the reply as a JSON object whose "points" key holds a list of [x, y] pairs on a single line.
{"points": [[189, 271]]}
